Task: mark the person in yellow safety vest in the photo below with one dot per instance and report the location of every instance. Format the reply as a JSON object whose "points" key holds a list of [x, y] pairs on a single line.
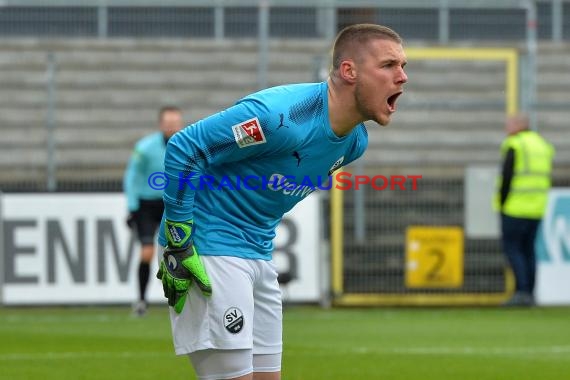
{"points": [[522, 193]]}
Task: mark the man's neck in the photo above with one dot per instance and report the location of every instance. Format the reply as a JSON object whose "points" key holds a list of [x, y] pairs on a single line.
{"points": [[343, 116]]}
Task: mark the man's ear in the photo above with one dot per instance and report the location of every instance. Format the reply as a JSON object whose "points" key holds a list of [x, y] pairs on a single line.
{"points": [[347, 71]]}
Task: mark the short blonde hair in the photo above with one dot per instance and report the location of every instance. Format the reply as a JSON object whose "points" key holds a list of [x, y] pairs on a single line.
{"points": [[356, 35]]}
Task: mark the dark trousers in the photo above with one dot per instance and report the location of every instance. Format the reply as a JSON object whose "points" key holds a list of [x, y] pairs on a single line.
{"points": [[518, 235]]}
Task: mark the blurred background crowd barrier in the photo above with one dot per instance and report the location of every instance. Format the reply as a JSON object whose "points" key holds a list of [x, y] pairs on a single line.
{"points": [[81, 81]]}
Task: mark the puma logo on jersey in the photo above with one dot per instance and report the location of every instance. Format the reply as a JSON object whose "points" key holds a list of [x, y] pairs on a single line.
{"points": [[249, 133], [298, 157], [281, 117]]}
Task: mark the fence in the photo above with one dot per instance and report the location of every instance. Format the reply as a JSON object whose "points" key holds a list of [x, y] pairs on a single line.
{"points": [[375, 267], [440, 21], [373, 258]]}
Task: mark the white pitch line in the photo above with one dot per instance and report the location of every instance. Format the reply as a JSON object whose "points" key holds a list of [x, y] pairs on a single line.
{"points": [[78, 355], [482, 350], [475, 351], [314, 350]]}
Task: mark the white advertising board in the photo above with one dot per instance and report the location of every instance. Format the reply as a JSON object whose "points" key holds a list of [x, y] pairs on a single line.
{"points": [[553, 251], [75, 248]]}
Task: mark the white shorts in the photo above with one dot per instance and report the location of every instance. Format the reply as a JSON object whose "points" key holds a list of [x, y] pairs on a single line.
{"points": [[244, 311]]}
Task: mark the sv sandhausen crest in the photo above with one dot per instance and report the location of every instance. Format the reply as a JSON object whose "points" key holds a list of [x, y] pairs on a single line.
{"points": [[233, 320]]}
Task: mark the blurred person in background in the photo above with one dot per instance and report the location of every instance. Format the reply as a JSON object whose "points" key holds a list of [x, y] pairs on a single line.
{"points": [[220, 236], [145, 205], [521, 199]]}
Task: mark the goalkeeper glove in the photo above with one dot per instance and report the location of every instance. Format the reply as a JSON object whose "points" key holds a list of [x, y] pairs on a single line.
{"points": [[181, 265]]}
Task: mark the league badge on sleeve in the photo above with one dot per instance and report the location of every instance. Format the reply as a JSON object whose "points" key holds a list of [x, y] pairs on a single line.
{"points": [[249, 133]]}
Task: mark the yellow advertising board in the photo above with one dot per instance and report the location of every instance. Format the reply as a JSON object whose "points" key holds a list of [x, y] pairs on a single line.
{"points": [[434, 257]]}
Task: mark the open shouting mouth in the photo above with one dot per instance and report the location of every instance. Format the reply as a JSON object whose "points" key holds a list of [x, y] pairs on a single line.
{"points": [[391, 101]]}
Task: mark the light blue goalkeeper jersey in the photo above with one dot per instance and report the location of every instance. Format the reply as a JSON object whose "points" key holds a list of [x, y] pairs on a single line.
{"points": [[147, 158], [237, 172]]}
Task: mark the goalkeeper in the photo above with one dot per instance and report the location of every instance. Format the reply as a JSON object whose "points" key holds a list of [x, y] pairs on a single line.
{"points": [[216, 270]]}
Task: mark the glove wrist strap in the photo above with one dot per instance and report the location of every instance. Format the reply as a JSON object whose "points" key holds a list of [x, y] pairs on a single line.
{"points": [[178, 234]]}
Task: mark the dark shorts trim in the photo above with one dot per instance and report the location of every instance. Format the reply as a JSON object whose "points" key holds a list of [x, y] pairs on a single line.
{"points": [[148, 219]]}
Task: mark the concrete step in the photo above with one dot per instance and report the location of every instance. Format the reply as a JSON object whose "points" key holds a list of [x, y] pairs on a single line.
{"points": [[23, 137], [454, 97], [170, 53], [85, 157], [22, 159], [111, 138], [100, 120], [161, 45], [554, 79], [555, 60], [410, 136], [109, 98], [469, 81], [444, 155], [466, 118], [88, 90], [429, 156], [413, 137], [99, 74], [157, 78]]}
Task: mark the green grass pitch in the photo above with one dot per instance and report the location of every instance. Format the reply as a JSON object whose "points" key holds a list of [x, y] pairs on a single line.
{"points": [[378, 343]]}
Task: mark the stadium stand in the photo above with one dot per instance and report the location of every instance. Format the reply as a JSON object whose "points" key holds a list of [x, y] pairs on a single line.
{"points": [[106, 92]]}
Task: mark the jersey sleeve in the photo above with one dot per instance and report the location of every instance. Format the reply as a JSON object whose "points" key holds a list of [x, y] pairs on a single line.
{"points": [[235, 134], [130, 179]]}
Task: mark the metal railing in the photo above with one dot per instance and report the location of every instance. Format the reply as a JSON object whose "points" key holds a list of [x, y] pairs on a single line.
{"points": [[439, 21]]}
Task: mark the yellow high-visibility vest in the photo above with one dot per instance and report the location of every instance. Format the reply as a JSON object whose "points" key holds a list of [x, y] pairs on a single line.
{"points": [[531, 175]]}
